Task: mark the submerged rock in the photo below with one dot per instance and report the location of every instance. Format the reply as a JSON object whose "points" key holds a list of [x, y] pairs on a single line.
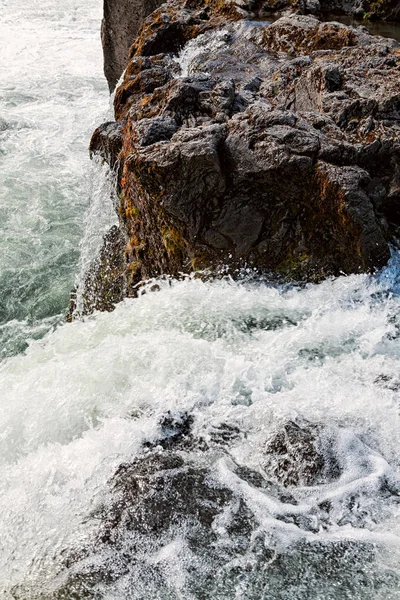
{"points": [[300, 453], [175, 432], [170, 527], [165, 492]]}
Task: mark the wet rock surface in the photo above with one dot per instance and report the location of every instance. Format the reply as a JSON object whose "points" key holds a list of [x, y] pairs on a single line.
{"points": [[107, 280], [367, 9], [106, 142], [200, 512], [273, 147], [300, 453]]}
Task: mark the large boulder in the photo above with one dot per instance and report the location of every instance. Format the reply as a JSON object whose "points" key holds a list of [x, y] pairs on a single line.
{"points": [[271, 147]]}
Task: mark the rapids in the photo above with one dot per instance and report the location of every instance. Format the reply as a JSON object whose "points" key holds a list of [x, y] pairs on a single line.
{"points": [[52, 95], [85, 397]]}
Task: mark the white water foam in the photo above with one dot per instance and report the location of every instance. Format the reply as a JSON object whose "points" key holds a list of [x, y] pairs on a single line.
{"points": [[52, 95], [85, 398]]}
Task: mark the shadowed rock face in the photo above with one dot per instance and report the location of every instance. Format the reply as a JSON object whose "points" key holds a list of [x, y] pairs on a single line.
{"points": [[121, 23]]}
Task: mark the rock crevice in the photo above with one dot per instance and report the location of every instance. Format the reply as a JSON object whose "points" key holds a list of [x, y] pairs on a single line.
{"points": [[121, 23]]}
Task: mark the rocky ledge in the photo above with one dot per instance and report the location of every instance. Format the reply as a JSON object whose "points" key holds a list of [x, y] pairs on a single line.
{"points": [[123, 18], [244, 143], [365, 9]]}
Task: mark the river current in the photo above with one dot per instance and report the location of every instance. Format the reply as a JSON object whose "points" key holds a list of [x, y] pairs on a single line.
{"points": [[79, 399]]}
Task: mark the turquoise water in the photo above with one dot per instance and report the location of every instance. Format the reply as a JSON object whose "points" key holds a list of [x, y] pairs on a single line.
{"points": [[52, 94]]}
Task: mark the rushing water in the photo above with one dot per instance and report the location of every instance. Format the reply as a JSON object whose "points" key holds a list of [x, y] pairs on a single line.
{"points": [[85, 399], [52, 94], [87, 396]]}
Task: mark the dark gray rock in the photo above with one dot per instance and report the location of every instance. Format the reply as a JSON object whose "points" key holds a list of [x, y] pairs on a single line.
{"points": [[106, 142], [156, 130], [121, 23], [300, 453], [369, 9], [166, 511], [108, 278], [166, 492]]}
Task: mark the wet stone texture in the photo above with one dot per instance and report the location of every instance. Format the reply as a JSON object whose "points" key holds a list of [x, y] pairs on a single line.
{"points": [[243, 144], [121, 22], [168, 513], [300, 454], [367, 9]]}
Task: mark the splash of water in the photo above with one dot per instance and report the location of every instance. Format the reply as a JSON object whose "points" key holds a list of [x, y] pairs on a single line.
{"points": [[251, 355]]}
